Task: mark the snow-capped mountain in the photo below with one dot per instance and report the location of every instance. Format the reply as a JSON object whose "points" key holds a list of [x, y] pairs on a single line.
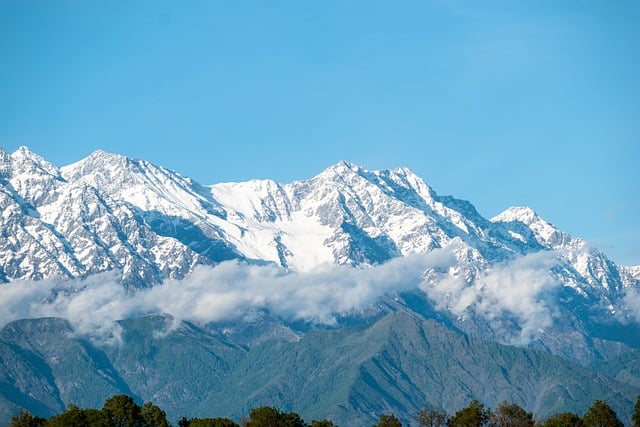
{"points": [[103, 211], [109, 212]]}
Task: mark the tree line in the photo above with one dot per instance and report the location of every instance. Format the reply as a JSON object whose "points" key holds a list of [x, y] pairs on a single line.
{"points": [[122, 411]]}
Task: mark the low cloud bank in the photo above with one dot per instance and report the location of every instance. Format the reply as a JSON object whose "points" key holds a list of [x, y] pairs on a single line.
{"points": [[234, 290], [517, 289], [228, 291]]}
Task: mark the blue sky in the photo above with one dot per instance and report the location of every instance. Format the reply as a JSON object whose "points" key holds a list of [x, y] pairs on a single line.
{"points": [[501, 102]]}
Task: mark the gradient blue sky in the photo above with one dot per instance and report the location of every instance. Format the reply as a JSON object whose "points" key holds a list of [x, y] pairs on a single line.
{"points": [[498, 102]]}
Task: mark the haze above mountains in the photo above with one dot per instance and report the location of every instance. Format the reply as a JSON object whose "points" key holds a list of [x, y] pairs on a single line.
{"points": [[262, 265]]}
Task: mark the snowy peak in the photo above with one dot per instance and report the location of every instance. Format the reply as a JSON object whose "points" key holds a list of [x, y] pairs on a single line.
{"points": [[341, 168], [102, 169], [31, 177], [347, 172], [523, 214], [149, 187], [545, 233], [114, 172], [25, 161]]}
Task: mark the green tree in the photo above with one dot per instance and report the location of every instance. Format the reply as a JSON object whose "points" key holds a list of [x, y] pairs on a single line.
{"points": [[291, 419], [72, 416], [322, 423], [123, 411], [25, 419], [96, 418], [266, 416], [636, 414], [431, 416], [511, 415], [212, 422], [388, 421], [78, 417], [153, 416], [473, 415], [600, 414], [565, 419], [263, 416]]}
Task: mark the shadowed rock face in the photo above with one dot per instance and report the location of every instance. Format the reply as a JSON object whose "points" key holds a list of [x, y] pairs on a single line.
{"points": [[349, 375]]}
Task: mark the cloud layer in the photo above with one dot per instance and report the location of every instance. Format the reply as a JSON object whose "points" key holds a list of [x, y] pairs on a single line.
{"points": [[234, 290], [519, 289], [228, 291]]}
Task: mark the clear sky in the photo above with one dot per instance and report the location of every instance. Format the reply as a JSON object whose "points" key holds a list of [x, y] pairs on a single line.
{"points": [[498, 102]]}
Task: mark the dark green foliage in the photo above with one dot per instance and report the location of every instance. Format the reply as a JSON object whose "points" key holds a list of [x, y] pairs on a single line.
{"points": [[431, 416], [25, 419], [153, 416], [96, 418], [291, 419], [264, 416], [74, 416], [322, 423], [208, 422], [565, 419], [600, 414], [511, 415], [636, 414], [123, 411], [473, 415], [388, 421], [267, 416]]}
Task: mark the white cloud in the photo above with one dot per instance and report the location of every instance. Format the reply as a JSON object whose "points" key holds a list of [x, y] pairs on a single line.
{"points": [[233, 290], [631, 302], [230, 290], [515, 289]]}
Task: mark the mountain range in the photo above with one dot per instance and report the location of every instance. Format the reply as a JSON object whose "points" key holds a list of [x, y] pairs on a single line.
{"points": [[514, 280]]}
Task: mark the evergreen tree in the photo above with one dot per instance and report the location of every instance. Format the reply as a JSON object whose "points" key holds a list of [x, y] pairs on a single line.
{"points": [[96, 418], [565, 419], [291, 419], [431, 416], [123, 411], [264, 416], [511, 415], [153, 416], [388, 421], [473, 415], [72, 416], [212, 422], [25, 419], [77, 417], [600, 414], [322, 423]]}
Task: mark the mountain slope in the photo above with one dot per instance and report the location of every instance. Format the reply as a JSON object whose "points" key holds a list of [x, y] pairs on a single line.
{"points": [[349, 375]]}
